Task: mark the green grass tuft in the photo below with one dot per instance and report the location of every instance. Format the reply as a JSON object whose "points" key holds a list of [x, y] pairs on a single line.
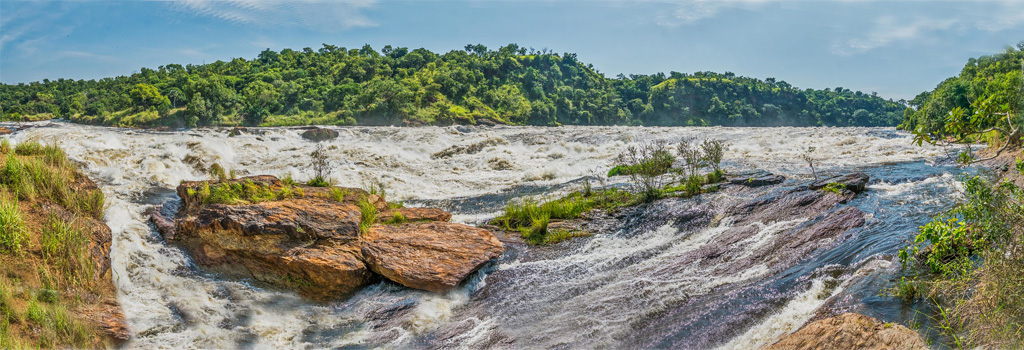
{"points": [[13, 235], [368, 214]]}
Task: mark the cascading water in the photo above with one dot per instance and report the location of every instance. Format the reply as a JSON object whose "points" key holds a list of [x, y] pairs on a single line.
{"points": [[627, 287]]}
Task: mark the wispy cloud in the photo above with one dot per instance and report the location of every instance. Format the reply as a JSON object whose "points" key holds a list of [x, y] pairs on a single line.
{"points": [[310, 14], [685, 12], [889, 30]]}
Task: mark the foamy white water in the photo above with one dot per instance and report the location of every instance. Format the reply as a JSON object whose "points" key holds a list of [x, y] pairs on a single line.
{"points": [[170, 304]]}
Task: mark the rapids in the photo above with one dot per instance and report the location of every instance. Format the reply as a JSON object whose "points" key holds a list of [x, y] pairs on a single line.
{"points": [[619, 288]]}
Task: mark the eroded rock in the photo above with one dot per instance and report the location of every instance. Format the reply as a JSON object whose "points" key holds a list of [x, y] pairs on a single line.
{"points": [[319, 134], [312, 242], [433, 256], [850, 331]]}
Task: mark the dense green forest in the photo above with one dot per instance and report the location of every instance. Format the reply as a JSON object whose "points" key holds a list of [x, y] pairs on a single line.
{"points": [[997, 77], [398, 86]]}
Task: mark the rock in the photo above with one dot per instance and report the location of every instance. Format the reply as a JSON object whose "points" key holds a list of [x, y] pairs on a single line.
{"points": [[433, 256], [416, 214], [850, 331], [319, 134], [238, 130], [5, 131], [855, 182], [312, 243], [756, 178], [298, 219], [163, 225]]}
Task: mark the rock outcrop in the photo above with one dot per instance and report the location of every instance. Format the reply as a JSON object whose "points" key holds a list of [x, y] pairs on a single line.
{"points": [[755, 178], [319, 134], [432, 256], [850, 331], [313, 243]]}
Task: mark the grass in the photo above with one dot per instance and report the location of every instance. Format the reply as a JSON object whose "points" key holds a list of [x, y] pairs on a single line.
{"points": [[36, 170], [244, 192], [338, 195], [396, 219], [64, 249], [834, 187], [13, 235], [47, 211], [318, 182], [368, 214]]}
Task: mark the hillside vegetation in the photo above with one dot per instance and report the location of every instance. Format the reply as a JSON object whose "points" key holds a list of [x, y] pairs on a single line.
{"points": [[997, 77], [399, 86]]}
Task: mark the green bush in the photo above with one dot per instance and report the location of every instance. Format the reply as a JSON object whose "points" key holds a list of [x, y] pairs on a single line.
{"points": [[5, 146], [397, 219], [13, 235], [834, 187], [318, 182]]}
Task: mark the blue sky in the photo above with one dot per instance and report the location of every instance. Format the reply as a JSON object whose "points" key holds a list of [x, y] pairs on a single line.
{"points": [[897, 49]]}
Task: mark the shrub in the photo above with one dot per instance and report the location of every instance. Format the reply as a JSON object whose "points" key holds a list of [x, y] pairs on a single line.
{"points": [[29, 148], [321, 167], [1020, 166], [692, 185], [377, 187], [368, 213], [713, 151], [5, 146], [716, 176], [645, 165], [808, 157], [13, 235]]}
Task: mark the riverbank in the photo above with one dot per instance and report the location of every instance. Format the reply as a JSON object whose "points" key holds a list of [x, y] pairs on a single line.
{"points": [[56, 289]]}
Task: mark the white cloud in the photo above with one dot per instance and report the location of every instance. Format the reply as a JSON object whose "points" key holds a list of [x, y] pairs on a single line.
{"points": [[311, 14], [692, 11], [890, 30]]}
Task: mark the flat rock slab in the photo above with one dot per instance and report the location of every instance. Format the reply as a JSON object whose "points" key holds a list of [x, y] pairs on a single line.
{"points": [[325, 271], [432, 256], [756, 178], [299, 219], [416, 214], [850, 331]]}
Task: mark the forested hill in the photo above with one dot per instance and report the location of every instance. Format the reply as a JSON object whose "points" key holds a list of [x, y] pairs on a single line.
{"points": [[398, 86], [998, 77]]}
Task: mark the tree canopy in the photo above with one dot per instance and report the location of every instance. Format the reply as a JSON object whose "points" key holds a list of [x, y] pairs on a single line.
{"points": [[399, 86]]}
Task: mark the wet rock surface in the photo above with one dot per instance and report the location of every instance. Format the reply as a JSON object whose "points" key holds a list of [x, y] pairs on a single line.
{"points": [[319, 134], [313, 243], [850, 331], [432, 256], [756, 178]]}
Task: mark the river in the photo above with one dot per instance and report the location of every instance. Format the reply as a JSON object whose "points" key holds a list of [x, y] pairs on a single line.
{"points": [[622, 288]]}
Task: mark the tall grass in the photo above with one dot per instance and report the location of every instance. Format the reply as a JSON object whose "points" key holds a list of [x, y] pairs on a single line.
{"points": [[526, 213], [13, 235], [64, 248], [43, 171], [368, 213]]}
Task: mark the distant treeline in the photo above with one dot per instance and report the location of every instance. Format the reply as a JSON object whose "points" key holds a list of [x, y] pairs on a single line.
{"points": [[398, 86], [999, 77]]}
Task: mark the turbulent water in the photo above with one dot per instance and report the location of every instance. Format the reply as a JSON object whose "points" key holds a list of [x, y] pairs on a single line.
{"points": [[620, 288]]}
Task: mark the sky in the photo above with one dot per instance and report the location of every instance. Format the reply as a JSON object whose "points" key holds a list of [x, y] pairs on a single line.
{"points": [[897, 49]]}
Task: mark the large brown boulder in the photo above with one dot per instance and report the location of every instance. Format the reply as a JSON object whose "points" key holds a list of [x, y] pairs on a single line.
{"points": [[433, 256], [850, 331], [312, 242]]}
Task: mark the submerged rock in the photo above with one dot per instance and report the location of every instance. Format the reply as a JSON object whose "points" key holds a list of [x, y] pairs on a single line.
{"points": [[312, 242], [855, 182], [850, 331], [319, 134]]}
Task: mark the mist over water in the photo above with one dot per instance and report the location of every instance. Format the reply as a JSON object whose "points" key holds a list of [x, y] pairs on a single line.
{"points": [[624, 287]]}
